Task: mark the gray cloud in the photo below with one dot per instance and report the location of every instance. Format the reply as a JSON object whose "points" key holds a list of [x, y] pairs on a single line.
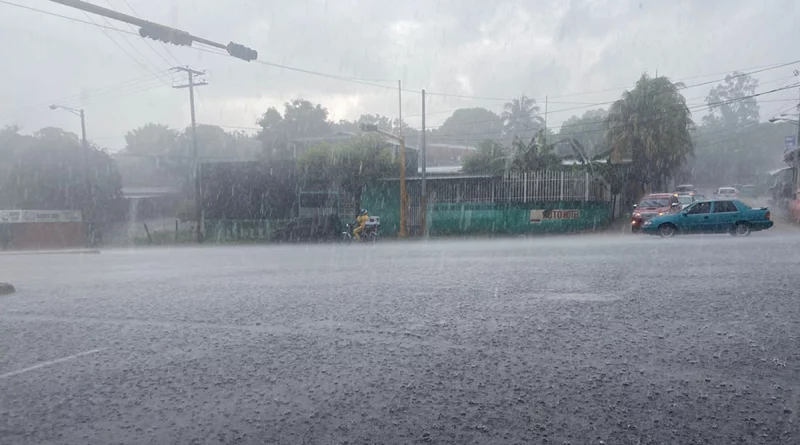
{"points": [[496, 49]]}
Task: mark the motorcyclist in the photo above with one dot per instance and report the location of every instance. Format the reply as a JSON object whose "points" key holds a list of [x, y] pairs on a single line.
{"points": [[361, 223]]}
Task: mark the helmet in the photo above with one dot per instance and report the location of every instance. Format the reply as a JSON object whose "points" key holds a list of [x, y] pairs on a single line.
{"points": [[362, 212]]}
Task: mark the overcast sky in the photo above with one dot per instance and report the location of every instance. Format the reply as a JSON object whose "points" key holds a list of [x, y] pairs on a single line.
{"points": [[497, 49]]}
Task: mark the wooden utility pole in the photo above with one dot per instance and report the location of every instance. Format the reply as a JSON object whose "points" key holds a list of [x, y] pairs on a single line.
{"points": [[196, 170]]}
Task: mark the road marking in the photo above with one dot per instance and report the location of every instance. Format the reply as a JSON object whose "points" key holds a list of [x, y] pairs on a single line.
{"points": [[51, 362]]}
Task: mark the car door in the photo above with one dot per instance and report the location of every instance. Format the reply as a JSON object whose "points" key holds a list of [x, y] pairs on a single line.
{"points": [[723, 216], [697, 218]]}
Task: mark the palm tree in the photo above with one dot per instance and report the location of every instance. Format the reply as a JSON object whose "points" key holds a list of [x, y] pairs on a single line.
{"points": [[521, 118], [650, 125]]}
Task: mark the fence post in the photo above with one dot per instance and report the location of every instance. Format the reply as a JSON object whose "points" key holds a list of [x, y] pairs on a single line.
{"points": [[525, 187], [586, 183], [562, 187]]}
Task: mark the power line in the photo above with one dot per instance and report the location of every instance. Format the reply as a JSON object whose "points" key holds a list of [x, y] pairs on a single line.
{"points": [[366, 82], [690, 108], [145, 41], [760, 68], [125, 51], [131, 83], [164, 46]]}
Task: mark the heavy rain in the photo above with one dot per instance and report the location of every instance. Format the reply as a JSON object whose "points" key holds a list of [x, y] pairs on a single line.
{"points": [[371, 222]]}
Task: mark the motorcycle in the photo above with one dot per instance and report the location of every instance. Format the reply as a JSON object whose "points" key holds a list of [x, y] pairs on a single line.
{"points": [[369, 234]]}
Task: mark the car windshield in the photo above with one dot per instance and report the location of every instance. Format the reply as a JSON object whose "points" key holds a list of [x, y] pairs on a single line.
{"points": [[654, 203], [424, 222]]}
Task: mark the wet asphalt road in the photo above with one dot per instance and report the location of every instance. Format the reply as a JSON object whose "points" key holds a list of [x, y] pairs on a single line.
{"points": [[563, 340]]}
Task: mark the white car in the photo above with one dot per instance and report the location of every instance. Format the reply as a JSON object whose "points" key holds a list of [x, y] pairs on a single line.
{"points": [[685, 200], [727, 192]]}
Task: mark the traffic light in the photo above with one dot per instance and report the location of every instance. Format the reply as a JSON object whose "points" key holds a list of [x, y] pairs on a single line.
{"points": [[241, 52], [369, 127], [166, 34]]}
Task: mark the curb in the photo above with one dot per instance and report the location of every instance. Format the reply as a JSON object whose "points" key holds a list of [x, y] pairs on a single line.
{"points": [[6, 288], [50, 252]]}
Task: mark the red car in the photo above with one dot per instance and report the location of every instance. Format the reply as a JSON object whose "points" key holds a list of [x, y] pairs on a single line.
{"points": [[652, 205]]}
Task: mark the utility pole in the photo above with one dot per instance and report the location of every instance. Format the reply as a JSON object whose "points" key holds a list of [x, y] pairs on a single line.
{"points": [[403, 192], [90, 204], [87, 205], [198, 185], [424, 188], [795, 161], [545, 120]]}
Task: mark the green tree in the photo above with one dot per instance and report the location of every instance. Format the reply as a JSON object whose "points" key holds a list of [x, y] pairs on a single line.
{"points": [[521, 118], [731, 143], [348, 165], [535, 154], [469, 126], [731, 104], [490, 158], [51, 170], [300, 119], [589, 130], [651, 126]]}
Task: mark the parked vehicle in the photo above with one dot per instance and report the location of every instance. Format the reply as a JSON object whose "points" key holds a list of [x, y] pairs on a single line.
{"points": [[721, 216], [653, 205], [727, 193], [749, 191], [686, 189], [369, 234], [685, 200]]}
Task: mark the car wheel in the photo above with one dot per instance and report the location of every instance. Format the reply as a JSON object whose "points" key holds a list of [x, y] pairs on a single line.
{"points": [[742, 229], [666, 230]]}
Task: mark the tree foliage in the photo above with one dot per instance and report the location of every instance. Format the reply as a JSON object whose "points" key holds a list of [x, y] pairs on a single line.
{"points": [[469, 126], [535, 154], [300, 119], [156, 155], [589, 130], [495, 159], [490, 158], [51, 170], [730, 104], [732, 145], [651, 126], [349, 165], [521, 118]]}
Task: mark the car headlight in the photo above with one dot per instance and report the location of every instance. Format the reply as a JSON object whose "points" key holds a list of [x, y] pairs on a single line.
{"points": [[660, 213], [648, 223], [637, 215]]}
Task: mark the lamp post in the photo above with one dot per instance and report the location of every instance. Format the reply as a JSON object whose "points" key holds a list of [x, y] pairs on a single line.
{"points": [[85, 160], [372, 128]]}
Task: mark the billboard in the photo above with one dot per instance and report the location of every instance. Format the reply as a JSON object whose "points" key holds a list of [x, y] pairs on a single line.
{"points": [[539, 215], [39, 216]]}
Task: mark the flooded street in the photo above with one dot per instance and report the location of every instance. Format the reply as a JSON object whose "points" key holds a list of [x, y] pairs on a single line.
{"points": [[559, 340]]}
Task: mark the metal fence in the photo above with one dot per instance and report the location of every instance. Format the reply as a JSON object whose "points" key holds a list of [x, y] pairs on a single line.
{"points": [[513, 187], [537, 186]]}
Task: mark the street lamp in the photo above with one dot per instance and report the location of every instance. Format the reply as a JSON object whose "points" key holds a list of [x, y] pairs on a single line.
{"points": [[372, 128], [85, 145], [78, 113]]}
